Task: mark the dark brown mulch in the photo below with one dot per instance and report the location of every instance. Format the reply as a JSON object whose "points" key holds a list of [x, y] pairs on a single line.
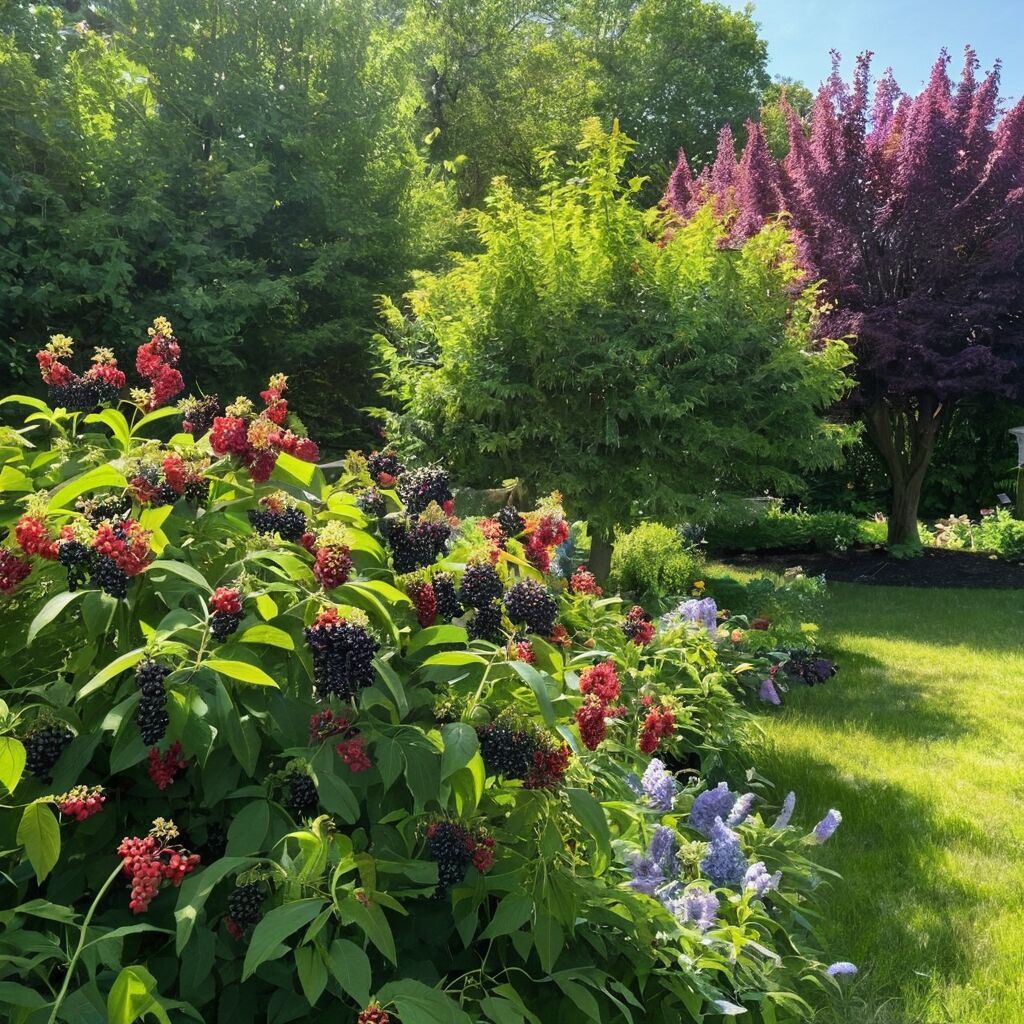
{"points": [[935, 568]]}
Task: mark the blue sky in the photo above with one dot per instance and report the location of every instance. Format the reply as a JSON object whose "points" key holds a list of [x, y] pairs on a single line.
{"points": [[906, 34]]}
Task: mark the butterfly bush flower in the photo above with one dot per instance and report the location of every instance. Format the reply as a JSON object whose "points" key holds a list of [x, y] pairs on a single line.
{"points": [[741, 809], [768, 693], [841, 967], [711, 804], [663, 850], [700, 612], [827, 826], [786, 813], [725, 863], [696, 906], [758, 879], [659, 865], [659, 786], [647, 875]]}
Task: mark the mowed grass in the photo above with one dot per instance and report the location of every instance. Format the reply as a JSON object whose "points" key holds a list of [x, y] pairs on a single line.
{"points": [[919, 741]]}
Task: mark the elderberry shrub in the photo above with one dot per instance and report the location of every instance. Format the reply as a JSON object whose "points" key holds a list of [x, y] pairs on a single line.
{"points": [[78, 395], [452, 847], [481, 585], [43, 747], [245, 904], [486, 623], [151, 714], [343, 654], [448, 604], [303, 799], [415, 545], [77, 559], [529, 602], [510, 521], [422, 486]]}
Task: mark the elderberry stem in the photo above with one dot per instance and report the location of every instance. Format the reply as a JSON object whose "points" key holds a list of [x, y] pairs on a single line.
{"points": [[83, 932]]}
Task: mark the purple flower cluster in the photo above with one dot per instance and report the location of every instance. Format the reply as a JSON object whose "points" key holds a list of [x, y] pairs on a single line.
{"points": [[758, 879], [786, 813], [827, 826], [700, 612], [741, 809], [768, 693], [658, 786], [841, 967], [719, 802], [695, 905], [725, 863], [658, 866]]}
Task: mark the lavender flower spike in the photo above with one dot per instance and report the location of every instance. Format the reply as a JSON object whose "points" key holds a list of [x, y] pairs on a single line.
{"points": [[696, 906], [725, 863], [841, 967], [741, 809], [786, 813], [659, 786], [663, 850], [768, 693], [827, 826], [711, 804], [647, 876]]}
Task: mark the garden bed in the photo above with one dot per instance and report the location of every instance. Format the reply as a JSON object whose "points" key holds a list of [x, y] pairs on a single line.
{"points": [[934, 568]]}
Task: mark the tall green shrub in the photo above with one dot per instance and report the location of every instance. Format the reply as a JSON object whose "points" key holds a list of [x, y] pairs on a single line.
{"points": [[652, 559]]}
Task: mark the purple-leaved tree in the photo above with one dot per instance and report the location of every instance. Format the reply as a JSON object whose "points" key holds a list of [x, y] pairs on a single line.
{"points": [[911, 209]]}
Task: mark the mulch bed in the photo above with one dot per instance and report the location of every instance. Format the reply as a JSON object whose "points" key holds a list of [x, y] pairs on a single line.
{"points": [[935, 568]]}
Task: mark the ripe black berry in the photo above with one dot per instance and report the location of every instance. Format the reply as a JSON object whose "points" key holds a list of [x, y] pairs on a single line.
{"points": [[197, 491], [480, 585], [343, 654], [506, 751], [422, 486], [448, 604], [303, 799], [452, 847], [44, 746], [109, 577], [245, 903], [262, 520], [200, 414], [165, 495], [151, 713], [223, 624], [384, 462], [529, 602], [111, 508], [291, 524], [510, 521], [79, 395], [486, 623], [371, 501], [77, 559], [415, 545]]}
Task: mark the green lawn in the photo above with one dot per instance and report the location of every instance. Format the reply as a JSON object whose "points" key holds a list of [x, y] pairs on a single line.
{"points": [[919, 741]]}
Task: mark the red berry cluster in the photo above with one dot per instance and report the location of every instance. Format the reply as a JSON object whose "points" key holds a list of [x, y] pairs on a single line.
{"points": [[353, 754], [125, 543], [100, 383], [455, 847], [583, 581], [601, 688], [164, 768], [82, 802], [424, 600], [548, 768], [165, 482], [659, 724], [332, 566], [374, 1014], [325, 725], [560, 637], [34, 537], [148, 862], [156, 361], [545, 531], [638, 627], [226, 603], [522, 650], [12, 570], [259, 438]]}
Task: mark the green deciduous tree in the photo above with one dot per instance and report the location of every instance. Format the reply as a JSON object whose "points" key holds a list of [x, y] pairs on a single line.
{"points": [[579, 351]]}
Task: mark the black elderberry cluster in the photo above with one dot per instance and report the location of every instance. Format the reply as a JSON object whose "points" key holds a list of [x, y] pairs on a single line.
{"points": [[223, 624], [245, 904], [79, 395], [481, 585], [506, 750], [43, 747], [384, 462], [448, 604], [510, 521], [165, 494], [109, 577], [415, 545], [343, 654], [201, 414], [529, 602], [290, 522], [151, 712], [303, 799], [486, 623], [77, 559], [371, 501], [422, 486], [452, 848], [197, 491], [97, 512]]}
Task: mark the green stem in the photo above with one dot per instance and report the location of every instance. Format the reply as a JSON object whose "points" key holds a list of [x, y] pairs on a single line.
{"points": [[83, 932]]}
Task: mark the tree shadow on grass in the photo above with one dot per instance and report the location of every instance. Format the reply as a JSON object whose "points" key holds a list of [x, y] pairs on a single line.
{"points": [[898, 911], [865, 695]]}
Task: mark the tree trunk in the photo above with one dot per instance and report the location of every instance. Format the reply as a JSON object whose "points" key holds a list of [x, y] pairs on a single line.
{"points": [[600, 556], [905, 438]]}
